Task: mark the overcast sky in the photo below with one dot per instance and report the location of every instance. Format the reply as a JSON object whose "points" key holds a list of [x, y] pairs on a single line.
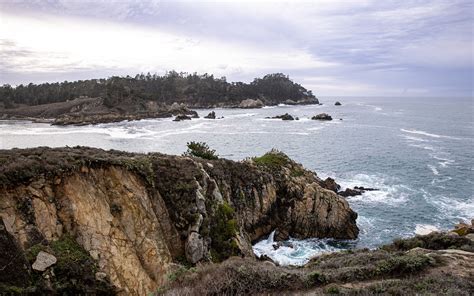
{"points": [[377, 48]]}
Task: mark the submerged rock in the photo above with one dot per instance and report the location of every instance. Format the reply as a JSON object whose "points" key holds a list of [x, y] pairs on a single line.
{"points": [[322, 116]]}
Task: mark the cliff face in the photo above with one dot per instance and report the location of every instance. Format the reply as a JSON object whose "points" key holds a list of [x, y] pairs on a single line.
{"points": [[133, 216]]}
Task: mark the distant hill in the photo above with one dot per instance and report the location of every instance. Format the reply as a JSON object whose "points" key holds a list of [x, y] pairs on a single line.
{"points": [[195, 91]]}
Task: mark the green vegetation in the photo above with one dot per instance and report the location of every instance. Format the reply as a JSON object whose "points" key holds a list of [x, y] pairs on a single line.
{"points": [[223, 231], [180, 272], [73, 273], [316, 278], [406, 264], [200, 149], [433, 241], [192, 89], [273, 159]]}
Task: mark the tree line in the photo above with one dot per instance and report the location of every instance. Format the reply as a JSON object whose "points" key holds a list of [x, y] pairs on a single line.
{"points": [[193, 89]]}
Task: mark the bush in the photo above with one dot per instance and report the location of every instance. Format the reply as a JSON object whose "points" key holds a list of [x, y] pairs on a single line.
{"points": [[401, 265], [432, 241], [273, 159], [316, 278], [223, 232], [200, 149]]}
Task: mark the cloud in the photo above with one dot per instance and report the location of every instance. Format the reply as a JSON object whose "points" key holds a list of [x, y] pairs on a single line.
{"points": [[360, 47]]}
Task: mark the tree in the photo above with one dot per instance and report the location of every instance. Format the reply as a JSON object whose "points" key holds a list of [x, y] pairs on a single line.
{"points": [[200, 149]]}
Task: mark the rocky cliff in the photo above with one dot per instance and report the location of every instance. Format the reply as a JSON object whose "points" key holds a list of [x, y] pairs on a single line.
{"points": [[121, 222]]}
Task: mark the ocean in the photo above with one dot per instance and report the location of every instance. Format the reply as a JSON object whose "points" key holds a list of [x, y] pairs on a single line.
{"points": [[417, 151]]}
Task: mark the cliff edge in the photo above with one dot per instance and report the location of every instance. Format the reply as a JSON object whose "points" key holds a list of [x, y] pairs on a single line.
{"points": [[88, 220]]}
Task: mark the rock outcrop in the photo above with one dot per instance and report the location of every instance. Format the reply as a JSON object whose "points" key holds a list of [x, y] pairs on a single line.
{"points": [[133, 216], [285, 116], [84, 111], [337, 103], [181, 117], [211, 115], [322, 116]]}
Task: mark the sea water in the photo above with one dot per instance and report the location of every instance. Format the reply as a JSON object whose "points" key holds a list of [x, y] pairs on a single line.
{"points": [[416, 151]]}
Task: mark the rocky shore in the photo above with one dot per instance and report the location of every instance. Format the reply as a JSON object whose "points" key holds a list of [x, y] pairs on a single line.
{"points": [[82, 220], [84, 111], [440, 263]]}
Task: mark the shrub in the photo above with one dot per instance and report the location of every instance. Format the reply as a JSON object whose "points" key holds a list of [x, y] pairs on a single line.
{"points": [[200, 149], [316, 278], [432, 241], [273, 159], [223, 231], [333, 290], [402, 265]]}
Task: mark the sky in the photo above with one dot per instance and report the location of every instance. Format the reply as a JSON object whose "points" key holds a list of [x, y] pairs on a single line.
{"points": [[335, 48]]}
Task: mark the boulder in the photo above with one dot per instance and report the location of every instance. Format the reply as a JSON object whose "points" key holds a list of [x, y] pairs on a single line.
{"points": [[250, 103], [330, 184], [337, 103], [322, 116], [192, 114], [463, 228], [181, 117], [211, 115], [350, 192], [285, 116], [43, 261]]}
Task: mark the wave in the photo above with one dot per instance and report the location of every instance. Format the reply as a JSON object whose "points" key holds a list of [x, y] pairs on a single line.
{"points": [[426, 147], [412, 138], [298, 252], [433, 169], [53, 131], [450, 207], [376, 108], [423, 133], [423, 229], [388, 191], [240, 115], [444, 162]]}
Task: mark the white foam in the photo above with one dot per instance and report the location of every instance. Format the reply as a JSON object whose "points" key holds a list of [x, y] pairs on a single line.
{"points": [[424, 229], [450, 207], [293, 252], [387, 193], [241, 115], [444, 162], [423, 133], [412, 138], [425, 147], [433, 169]]}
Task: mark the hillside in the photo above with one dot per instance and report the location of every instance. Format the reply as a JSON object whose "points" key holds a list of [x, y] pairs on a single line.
{"points": [[195, 91]]}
